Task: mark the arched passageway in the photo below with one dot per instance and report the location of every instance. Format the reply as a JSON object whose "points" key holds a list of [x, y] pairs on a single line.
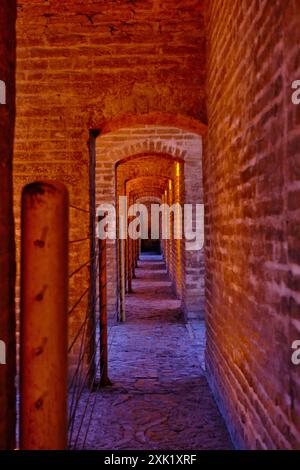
{"points": [[154, 148], [160, 398], [155, 357], [139, 79]]}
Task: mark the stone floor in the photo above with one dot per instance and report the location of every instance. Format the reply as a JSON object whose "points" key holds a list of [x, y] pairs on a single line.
{"points": [[159, 398]]}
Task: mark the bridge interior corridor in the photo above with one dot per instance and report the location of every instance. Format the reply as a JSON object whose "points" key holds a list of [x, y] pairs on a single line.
{"points": [[159, 397]]}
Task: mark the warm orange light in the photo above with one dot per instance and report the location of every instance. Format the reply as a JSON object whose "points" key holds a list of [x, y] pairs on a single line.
{"points": [[177, 169], [170, 185]]}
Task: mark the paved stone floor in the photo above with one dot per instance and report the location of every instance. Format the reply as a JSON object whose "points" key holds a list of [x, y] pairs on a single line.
{"points": [[160, 398]]}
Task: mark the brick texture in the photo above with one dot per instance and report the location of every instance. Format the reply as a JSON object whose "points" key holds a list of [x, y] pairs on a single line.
{"points": [[251, 187], [7, 266], [86, 64]]}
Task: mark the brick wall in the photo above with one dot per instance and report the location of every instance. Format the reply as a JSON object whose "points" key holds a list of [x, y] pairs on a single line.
{"points": [[7, 320], [83, 64], [252, 188]]}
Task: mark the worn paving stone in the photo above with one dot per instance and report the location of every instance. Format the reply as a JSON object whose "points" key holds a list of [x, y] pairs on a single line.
{"points": [[160, 398]]}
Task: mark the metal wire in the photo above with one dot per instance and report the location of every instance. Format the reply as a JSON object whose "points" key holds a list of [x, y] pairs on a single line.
{"points": [[79, 300], [79, 208], [87, 376], [80, 240]]}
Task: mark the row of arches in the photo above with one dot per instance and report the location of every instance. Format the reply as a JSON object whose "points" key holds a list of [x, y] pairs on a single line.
{"points": [[147, 161]]}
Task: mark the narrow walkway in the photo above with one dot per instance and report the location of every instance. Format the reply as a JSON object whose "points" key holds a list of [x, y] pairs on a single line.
{"points": [[160, 398]]}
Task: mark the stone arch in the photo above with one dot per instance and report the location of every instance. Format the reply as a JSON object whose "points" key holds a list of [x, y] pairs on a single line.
{"points": [[142, 184], [148, 197], [142, 168], [155, 118]]}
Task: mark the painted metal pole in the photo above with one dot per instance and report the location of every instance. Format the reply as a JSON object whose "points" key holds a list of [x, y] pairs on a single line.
{"points": [[122, 281], [126, 264], [132, 261], [137, 244], [91, 326], [129, 273], [104, 380], [44, 313], [167, 240], [133, 245], [171, 232]]}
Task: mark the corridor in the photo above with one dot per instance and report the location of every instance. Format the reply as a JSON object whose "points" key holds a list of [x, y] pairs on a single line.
{"points": [[128, 126], [159, 398]]}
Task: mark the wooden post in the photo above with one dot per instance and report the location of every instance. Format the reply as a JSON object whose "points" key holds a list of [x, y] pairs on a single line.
{"points": [[104, 380], [44, 313]]}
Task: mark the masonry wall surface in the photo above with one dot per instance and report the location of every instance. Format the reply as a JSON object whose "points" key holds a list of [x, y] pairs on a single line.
{"points": [[7, 257], [84, 63], [252, 197]]}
